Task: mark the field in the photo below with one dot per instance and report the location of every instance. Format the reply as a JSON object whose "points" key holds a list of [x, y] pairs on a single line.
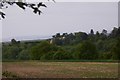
{"points": [[36, 69]]}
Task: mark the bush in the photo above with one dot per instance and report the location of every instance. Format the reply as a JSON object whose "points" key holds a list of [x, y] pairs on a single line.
{"points": [[105, 56], [11, 52], [87, 50], [24, 55], [116, 50], [48, 56], [61, 54], [44, 48]]}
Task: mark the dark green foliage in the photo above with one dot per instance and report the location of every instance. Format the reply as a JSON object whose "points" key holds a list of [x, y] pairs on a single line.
{"points": [[48, 56], [61, 54], [44, 48], [80, 36], [105, 56], [115, 32], [73, 46], [11, 52], [116, 50], [91, 36], [87, 50], [24, 55]]}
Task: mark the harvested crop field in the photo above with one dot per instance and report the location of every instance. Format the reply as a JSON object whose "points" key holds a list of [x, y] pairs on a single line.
{"points": [[36, 69]]}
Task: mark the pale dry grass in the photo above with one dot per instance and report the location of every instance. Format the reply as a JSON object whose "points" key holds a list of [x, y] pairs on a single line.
{"points": [[62, 69]]}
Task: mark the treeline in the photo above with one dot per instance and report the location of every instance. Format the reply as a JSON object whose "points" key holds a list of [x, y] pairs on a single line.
{"points": [[73, 46]]}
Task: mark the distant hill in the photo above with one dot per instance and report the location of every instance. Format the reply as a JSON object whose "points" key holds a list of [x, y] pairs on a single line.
{"points": [[26, 38]]}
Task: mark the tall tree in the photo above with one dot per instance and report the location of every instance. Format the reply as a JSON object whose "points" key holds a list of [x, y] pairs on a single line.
{"points": [[91, 35], [104, 32], [113, 33], [91, 32], [13, 41]]}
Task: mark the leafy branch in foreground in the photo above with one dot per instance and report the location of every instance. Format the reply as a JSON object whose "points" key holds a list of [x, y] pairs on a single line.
{"points": [[22, 5]]}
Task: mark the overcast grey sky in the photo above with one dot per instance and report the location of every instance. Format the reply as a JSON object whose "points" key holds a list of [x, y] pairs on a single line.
{"points": [[59, 17]]}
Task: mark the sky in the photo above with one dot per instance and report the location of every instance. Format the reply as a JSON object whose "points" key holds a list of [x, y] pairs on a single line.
{"points": [[73, 0], [59, 17]]}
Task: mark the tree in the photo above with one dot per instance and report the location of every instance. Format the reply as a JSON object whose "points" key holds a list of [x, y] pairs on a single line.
{"points": [[97, 36], [11, 53], [97, 33], [22, 4], [80, 36], [91, 35], [13, 41], [68, 38], [58, 35], [114, 32], [87, 51], [64, 34], [42, 49], [118, 32], [24, 55], [116, 50], [57, 39], [61, 54], [91, 32], [104, 32]]}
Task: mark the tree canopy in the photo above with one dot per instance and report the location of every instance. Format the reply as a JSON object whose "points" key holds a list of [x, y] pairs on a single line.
{"points": [[66, 46]]}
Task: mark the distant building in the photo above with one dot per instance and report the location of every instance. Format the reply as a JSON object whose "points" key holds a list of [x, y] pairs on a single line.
{"points": [[51, 41], [54, 39]]}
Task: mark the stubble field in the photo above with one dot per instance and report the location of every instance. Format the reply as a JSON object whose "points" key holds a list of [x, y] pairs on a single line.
{"points": [[36, 69]]}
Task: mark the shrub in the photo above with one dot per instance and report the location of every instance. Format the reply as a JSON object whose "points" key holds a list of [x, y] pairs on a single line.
{"points": [[44, 48], [87, 50], [24, 55]]}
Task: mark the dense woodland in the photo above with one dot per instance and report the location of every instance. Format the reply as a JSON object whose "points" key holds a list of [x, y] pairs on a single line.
{"points": [[73, 46]]}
